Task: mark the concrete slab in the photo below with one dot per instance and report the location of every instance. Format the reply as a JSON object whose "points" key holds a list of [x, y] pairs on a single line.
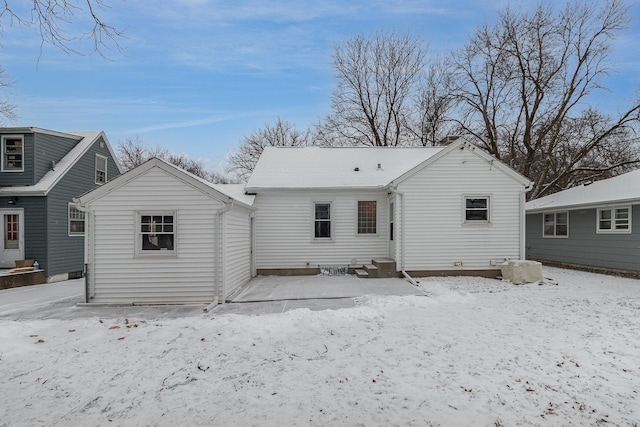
{"points": [[289, 288]]}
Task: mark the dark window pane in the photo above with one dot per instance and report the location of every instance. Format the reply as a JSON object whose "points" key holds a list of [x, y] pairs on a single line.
{"points": [[477, 203], [323, 229], [323, 211]]}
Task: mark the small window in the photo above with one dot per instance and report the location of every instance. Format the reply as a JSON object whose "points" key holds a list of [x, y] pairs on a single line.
{"points": [[76, 221], [12, 154], [614, 220], [367, 217], [476, 209], [556, 224], [322, 222], [101, 169], [156, 233]]}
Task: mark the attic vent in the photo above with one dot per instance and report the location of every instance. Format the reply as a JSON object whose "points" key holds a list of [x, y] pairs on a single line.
{"points": [[356, 169]]}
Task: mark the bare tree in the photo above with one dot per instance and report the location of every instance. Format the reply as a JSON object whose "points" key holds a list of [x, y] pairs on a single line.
{"points": [[132, 152], [59, 23], [282, 133], [375, 78], [430, 121], [522, 89], [7, 109], [53, 20]]}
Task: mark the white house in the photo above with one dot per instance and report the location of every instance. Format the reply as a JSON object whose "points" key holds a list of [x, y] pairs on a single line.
{"points": [[158, 234], [431, 210]]}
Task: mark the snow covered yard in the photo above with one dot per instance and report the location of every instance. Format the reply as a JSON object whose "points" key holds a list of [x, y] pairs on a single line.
{"points": [[472, 352]]}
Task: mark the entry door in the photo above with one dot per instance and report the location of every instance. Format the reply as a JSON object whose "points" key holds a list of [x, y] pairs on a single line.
{"points": [[12, 242]]}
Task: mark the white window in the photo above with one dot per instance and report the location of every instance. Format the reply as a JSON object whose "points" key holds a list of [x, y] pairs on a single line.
{"points": [[12, 153], [614, 220], [476, 209], [367, 217], [76, 221], [101, 169], [156, 233], [322, 220], [556, 224]]}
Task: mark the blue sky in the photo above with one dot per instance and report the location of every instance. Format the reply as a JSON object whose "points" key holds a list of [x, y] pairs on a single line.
{"points": [[197, 75]]}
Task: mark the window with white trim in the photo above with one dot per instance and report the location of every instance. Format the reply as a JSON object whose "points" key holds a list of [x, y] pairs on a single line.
{"points": [[614, 220], [156, 233], [76, 221], [101, 169], [555, 224], [476, 209], [322, 220], [12, 153], [367, 217]]}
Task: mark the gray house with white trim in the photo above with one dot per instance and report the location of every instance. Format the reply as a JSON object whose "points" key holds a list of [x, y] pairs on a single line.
{"points": [[41, 171], [593, 225]]}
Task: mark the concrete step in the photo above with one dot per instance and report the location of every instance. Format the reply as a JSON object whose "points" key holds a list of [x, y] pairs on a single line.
{"points": [[372, 270], [385, 267], [362, 274]]}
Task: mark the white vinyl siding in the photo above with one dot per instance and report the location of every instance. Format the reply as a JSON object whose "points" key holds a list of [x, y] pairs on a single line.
{"points": [[429, 210], [237, 249], [118, 276], [284, 220]]}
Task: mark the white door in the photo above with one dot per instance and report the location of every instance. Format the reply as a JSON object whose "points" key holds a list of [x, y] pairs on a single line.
{"points": [[12, 242]]}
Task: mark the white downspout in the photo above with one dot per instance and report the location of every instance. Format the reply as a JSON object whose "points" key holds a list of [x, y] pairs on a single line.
{"points": [[89, 255], [402, 227]]}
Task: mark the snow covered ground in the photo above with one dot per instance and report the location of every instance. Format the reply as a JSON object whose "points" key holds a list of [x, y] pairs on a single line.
{"points": [[472, 352]]}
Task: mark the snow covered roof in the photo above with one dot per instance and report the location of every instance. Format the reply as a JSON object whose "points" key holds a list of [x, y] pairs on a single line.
{"points": [[343, 167], [51, 178], [623, 188], [234, 191]]}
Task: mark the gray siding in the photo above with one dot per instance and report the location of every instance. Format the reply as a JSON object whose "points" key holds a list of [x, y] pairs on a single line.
{"points": [[21, 178], [66, 253], [584, 246], [35, 227], [49, 148]]}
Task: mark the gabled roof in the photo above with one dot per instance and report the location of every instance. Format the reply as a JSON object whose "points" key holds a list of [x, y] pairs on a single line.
{"points": [[53, 176], [351, 167], [334, 168], [228, 193], [623, 188]]}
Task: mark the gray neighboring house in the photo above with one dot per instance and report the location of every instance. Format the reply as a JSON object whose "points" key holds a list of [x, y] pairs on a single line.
{"points": [[594, 225], [41, 171]]}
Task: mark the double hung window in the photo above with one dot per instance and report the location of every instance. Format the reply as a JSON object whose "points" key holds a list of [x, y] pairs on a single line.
{"points": [[556, 224], [12, 153], [322, 220], [156, 233], [614, 220]]}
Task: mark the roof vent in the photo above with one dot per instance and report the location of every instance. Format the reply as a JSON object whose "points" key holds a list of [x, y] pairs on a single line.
{"points": [[379, 166], [356, 169]]}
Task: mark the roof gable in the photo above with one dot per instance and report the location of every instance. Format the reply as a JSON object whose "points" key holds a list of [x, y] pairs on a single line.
{"points": [[623, 188], [52, 177], [216, 191]]}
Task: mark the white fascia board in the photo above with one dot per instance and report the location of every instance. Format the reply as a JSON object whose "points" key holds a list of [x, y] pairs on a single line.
{"points": [[590, 205], [258, 190]]}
